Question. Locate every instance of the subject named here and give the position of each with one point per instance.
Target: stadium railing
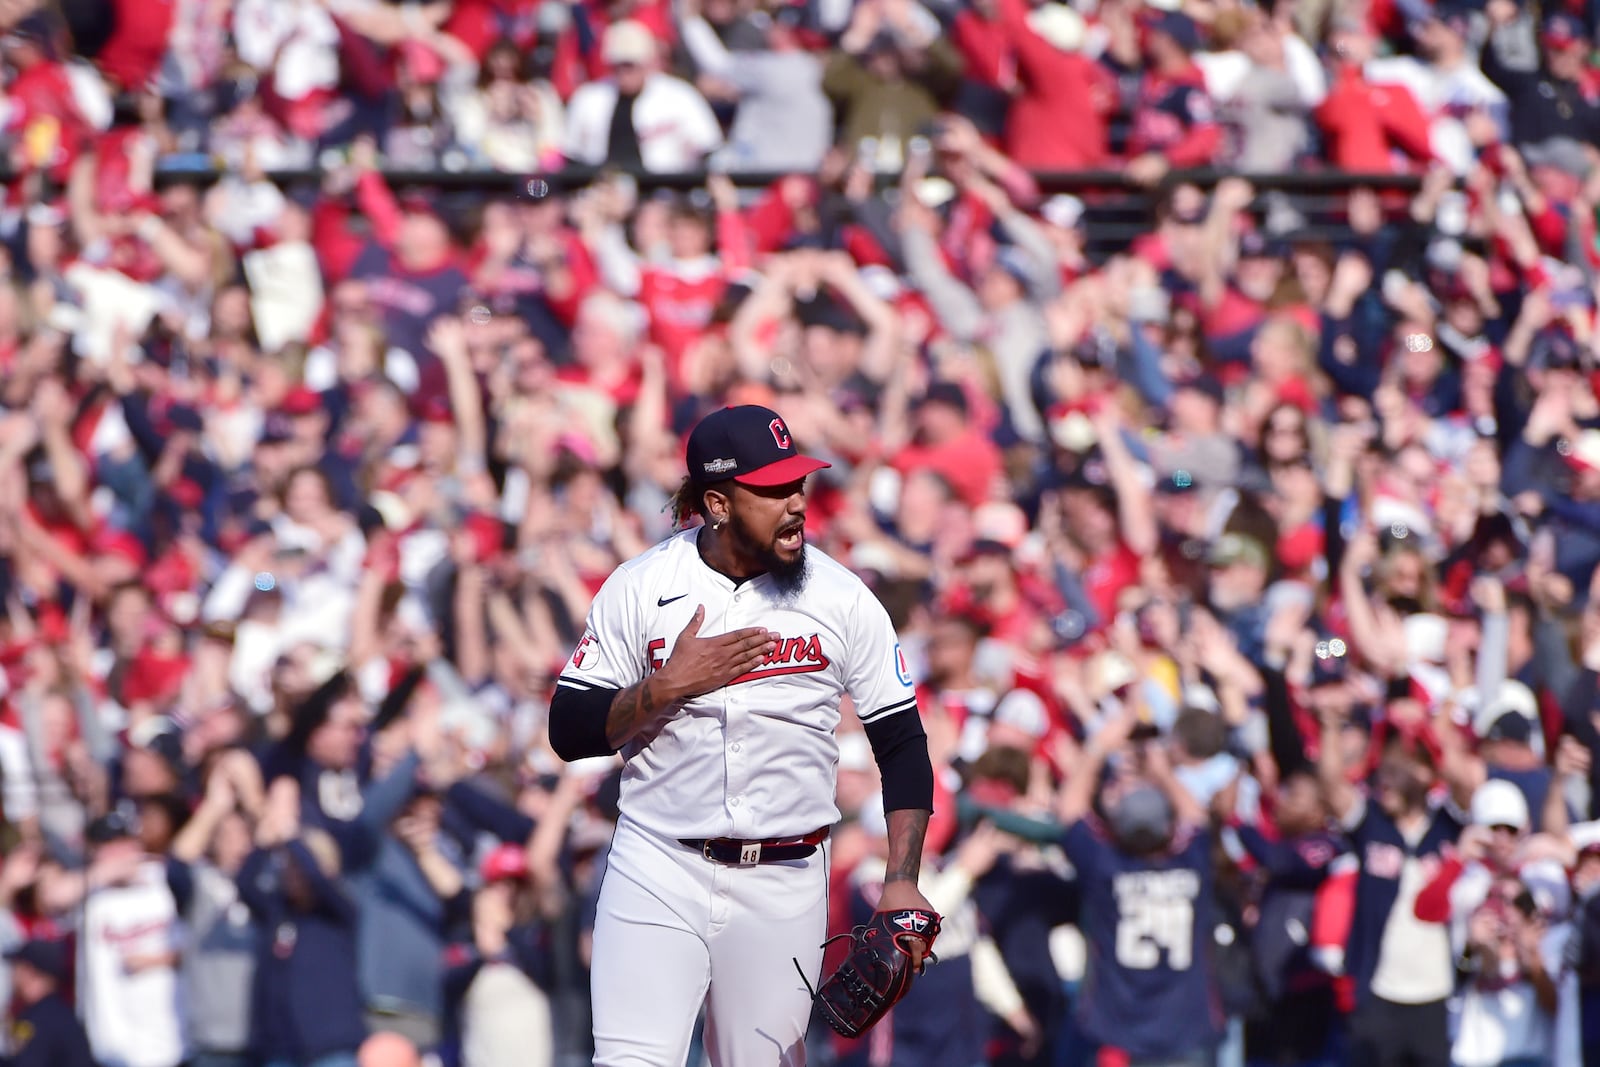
(1117, 209)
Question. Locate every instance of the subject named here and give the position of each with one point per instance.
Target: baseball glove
(878, 971)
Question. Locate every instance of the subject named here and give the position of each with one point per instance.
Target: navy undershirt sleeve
(900, 746)
(578, 722)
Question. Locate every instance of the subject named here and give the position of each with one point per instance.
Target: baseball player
(715, 663)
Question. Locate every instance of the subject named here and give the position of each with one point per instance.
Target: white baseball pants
(675, 930)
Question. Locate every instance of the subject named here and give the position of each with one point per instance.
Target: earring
(717, 525)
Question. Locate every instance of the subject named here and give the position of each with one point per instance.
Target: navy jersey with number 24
(1150, 985)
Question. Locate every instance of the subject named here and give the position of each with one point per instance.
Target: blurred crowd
(1246, 571)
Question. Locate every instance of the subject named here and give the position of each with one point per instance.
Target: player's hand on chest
(745, 643)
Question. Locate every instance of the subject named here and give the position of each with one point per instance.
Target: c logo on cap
(779, 433)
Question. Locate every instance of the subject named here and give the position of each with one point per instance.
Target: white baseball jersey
(133, 1020)
(757, 758)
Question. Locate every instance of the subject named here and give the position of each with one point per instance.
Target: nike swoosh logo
(663, 601)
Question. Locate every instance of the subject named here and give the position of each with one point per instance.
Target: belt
(738, 853)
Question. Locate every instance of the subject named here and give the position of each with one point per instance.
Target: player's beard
(788, 575)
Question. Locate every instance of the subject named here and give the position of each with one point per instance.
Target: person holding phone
(1509, 1001)
(1500, 927)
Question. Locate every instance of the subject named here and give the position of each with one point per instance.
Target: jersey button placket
(738, 777)
(733, 721)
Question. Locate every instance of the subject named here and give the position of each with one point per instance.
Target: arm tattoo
(907, 828)
(632, 709)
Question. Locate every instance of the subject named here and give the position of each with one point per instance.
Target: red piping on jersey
(798, 668)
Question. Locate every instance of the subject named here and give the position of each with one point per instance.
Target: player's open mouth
(791, 540)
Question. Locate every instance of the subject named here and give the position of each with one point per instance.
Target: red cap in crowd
(111, 541)
(505, 863)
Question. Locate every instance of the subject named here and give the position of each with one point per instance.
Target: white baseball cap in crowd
(628, 41)
(1586, 836)
(1546, 882)
(1112, 671)
(1498, 802)
(1000, 521)
(1513, 697)
(1062, 210)
(1021, 709)
(881, 281)
(1202, 696)
(1059, 25)
(1585, 454)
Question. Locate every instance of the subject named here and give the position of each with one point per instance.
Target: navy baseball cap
(1204, 384)
(1512, 726)
(1257, 245)
(275, 430)
(185, 418)
(1180, 27)
(114, 825)
(748, 444)
(1561, 31)
(1330, 666)
(1455, 17)
(950, 394)
(34, 29)
(1554, 348)
(46, 957)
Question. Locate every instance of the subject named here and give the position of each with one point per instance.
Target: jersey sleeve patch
(587, 655)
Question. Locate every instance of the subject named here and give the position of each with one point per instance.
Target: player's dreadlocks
(688, 504)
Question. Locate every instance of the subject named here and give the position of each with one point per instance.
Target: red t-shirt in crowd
(1366, 124)
(44, 121)
(1057, 119)
(138, 42)
(985, 52)
(970, 463)
(478, 24)
(1107, 575)
(1234, 313)
(680, 298)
